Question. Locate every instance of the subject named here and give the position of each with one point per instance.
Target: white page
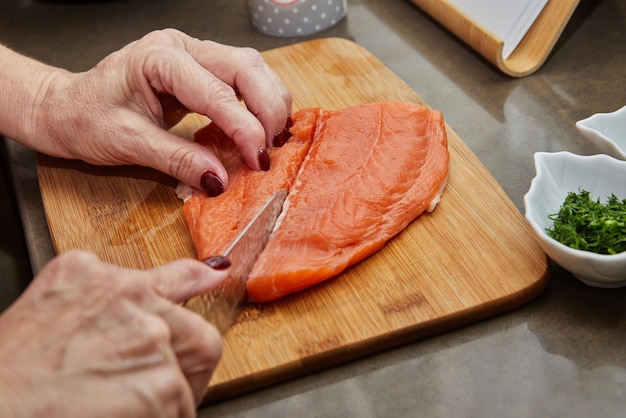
(509, 20)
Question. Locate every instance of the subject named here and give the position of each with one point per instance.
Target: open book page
(509, 20)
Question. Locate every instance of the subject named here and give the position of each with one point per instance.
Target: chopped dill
(586, 224)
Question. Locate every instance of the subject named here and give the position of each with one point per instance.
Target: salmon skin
(356, 178)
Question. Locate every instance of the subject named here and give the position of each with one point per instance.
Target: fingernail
(264, 159)
(283, 136)
(279, 139)
(217, 262)
(211, 184)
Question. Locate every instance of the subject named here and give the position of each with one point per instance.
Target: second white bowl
(606, 131)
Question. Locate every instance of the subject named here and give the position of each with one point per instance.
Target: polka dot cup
(295, 17)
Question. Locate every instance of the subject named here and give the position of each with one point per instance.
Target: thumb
(185, 160)
(184, 279)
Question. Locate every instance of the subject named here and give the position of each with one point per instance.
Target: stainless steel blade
(223, 304)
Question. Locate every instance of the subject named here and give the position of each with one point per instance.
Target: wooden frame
(530, 54)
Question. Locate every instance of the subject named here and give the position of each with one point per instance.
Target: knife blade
(222, 305)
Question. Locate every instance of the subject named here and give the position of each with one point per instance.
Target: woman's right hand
(91, 339)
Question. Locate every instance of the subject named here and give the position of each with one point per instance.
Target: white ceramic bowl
(558, 174)
(607, 131)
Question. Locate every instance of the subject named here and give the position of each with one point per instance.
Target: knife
(222, 305)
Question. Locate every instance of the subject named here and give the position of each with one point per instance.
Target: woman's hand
(90, 339)
(118, 112)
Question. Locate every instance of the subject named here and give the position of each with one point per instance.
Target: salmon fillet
(215, 222)
(359, 176)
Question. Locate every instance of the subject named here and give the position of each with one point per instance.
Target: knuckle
(153, 331)
(222, 93)
(161, 37)
(251, 56)
(172, 32)
(172, 383)
(130, 287)
(207, 340)
(77, 257)
(211, 346)
(66, 265)
(183, 161)
(168, 392)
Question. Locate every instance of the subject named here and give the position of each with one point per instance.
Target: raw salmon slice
(356, 178)
(215, 222)
(370, 171)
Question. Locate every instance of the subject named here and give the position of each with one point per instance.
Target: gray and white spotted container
(295, 17)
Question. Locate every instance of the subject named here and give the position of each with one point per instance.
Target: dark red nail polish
(211, 184)
(279, 139)
(264, 159)
(287, 134)
(217, 262)
(283, 136)
(288, 126)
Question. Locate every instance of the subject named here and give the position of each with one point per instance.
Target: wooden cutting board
(473, 257)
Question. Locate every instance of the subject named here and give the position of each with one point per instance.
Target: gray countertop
(561, 355)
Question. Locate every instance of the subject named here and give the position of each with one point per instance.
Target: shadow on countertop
(15, 271)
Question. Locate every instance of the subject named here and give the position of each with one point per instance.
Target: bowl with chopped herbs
(576, 206)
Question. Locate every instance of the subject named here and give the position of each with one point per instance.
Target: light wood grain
(473, 257)
(530, 54)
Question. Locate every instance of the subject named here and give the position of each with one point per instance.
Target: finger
(217, 100)
(187, 161)
(263, 91)
(130, 328)
(200, 91)
(185, 278)
(196, 343)
(164, 389)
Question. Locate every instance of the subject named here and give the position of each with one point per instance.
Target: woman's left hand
(119, 111)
